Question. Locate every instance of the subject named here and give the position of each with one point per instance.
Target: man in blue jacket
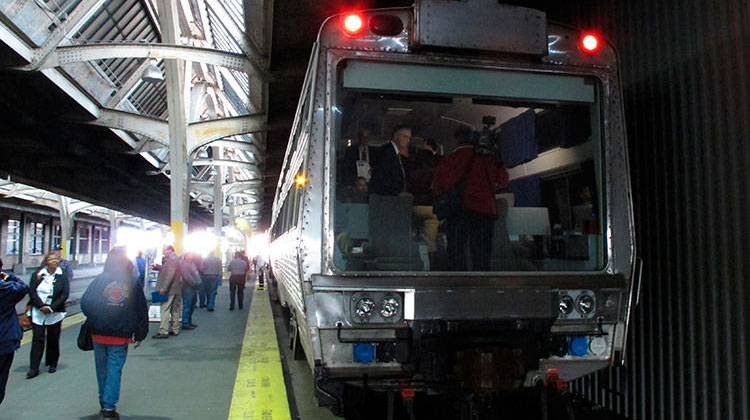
(12, 290)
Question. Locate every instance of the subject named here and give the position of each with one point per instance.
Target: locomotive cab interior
(549, 216)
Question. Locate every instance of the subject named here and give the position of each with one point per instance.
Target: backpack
(109, 305)
(189, 274)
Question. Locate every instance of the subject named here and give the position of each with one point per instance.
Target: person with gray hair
(169, 283)
(388, 174)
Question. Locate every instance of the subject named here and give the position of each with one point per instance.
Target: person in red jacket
(478, 176)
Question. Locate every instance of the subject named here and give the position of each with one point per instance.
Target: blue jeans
(188, 304)
(109, 362)
(210, 285)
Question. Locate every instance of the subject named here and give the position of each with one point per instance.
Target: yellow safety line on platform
(259, 390)
(67, 322)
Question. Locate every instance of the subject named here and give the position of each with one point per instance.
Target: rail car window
(456, 169)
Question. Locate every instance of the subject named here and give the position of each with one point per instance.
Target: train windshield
(464, 169)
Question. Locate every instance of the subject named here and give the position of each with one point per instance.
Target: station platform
(233, 366)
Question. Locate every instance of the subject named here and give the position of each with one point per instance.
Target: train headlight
(566, 305)
(364, 307)
(585, 304)
(390, 307)
(598, 346)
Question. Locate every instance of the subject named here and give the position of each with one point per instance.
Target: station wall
(36, 231)
(687, 103)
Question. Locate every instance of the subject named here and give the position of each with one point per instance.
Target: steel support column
(218, 201)
(112, 229)
(178, 159)
(66, 225)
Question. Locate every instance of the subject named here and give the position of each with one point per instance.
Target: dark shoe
(160, 335)
(32, 373)
(210, 310)
(173, 333)
(231, 308)
(240, 307)
(52, 369)
(109, 414)
(203, 306)
(189, 327)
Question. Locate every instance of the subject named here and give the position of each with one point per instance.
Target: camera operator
(475, 170)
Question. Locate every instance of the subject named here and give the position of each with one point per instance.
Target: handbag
(25, 319)
(451, 203)
(85, 342)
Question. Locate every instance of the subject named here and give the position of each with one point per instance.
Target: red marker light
(352, 24)
(590, 43)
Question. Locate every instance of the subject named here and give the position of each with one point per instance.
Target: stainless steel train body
(561, 309)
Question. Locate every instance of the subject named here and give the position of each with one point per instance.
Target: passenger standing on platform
(140, 264)
(117, 315)
(170, 283)
(191, 277)
(64, 265)
(48, 290)
(238, 269)
(211, 276)
(202, 291)
(12, 290)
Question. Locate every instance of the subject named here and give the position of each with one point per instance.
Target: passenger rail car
(374, 301)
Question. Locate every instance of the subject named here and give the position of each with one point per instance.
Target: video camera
(487, 139)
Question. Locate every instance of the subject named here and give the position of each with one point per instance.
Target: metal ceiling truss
(243, 70)
(199, 133)
(128, 85)
(69, 206)
(91, 52)
(249, 166)
(72, 23)
(254, 148)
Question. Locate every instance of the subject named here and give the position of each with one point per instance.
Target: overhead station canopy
(108, 56)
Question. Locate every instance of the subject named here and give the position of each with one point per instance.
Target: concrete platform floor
(191, 376)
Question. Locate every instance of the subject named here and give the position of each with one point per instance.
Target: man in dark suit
(358, 159)
(388, 176)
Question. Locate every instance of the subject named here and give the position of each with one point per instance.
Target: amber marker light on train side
(353, 24)
(590, 43)
(300, 181)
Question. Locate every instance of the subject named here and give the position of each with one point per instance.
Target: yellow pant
(430, 223)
